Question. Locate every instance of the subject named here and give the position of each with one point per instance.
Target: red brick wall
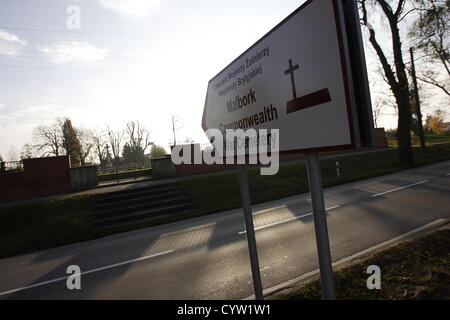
(40, 177)
(380, 138)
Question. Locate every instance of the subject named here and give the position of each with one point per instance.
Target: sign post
(320, 226)
(306, 79)
(251, 239)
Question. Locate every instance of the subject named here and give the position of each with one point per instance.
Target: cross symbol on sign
(310, 100)
(291, 71)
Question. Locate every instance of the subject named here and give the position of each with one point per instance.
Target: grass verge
(417, 269)
(430, 139)
(44, 224)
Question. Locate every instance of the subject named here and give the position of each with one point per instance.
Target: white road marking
(397, 189)
(87, 272)
(287, 220)
(310, 274)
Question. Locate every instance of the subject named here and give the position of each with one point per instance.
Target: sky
(123, 60)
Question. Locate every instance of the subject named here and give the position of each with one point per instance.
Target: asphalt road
(207, 257)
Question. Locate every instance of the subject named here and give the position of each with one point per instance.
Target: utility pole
(173, 129)
(417, 101)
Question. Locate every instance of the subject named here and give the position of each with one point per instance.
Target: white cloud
(10, 44)
(135, 8)
(73, 51)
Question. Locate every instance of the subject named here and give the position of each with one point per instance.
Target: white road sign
(294, 79)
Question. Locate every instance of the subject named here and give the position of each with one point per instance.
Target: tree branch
(434, 83)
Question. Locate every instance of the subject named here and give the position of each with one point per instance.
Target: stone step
(142, 198)
(141, 215)
(120, 209)
(119, 196)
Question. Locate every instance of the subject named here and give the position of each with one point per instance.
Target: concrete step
(122, 208)
(140, 199)
(134, 205)
(121, 196)
(133, 192)
(143, 214)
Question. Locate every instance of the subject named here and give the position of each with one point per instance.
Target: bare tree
(431, 36)
(27, 151)
(139, 137)
(86, 144)
(12, 154)
(398, 79)
(48, 140)
(100, 146)
(377, 108)
(175, 127)
(115, 141)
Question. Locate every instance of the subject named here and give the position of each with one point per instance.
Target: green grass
(418, 269)
(218, 192)
(430, 139)
(45, 224)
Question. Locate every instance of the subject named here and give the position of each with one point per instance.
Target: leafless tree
(86, 144)
(100, 146)
(431, 34)
(27, 151)
(176, 125)
(395, 71)
(139, 137)
(48, 140)
(12, 154)
(115, 141)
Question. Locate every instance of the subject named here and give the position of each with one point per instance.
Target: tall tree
(86, 145)
(132, 153)
(431, 34)
(115, 141)
(138, 138)
(70, 142)
(12, 154)
(48, 140)
(27, 151)
(435, 122)
(157, 151)
(176, 125)
(100, 146)
(415, 103)
(398, 79)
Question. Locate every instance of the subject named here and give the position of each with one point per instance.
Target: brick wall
(40, 177)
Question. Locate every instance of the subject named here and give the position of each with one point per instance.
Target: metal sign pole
(251, 239)
(320, 226)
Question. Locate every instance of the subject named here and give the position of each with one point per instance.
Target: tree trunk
(400, 89)
(417, 101)
(406, 155)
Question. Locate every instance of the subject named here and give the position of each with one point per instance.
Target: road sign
(297, 79)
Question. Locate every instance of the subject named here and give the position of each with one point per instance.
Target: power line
(118, 58)
(93, 33)
(57, 68)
